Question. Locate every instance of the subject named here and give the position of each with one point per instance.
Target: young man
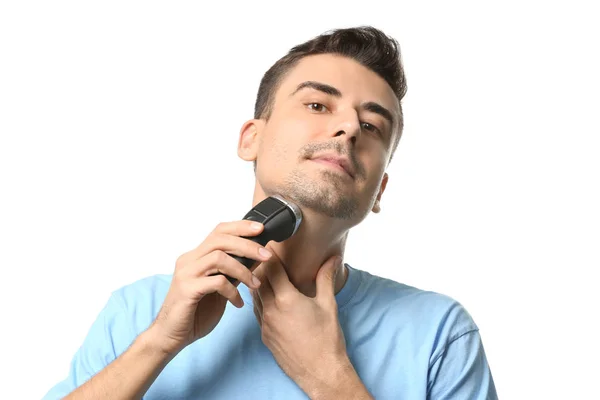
(328, 118)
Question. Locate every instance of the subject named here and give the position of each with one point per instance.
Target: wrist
(153, 345)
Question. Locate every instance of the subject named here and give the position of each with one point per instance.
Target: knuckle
(181, 261)
(207, 244)
(219, 257)
(225, 227)
(222, 282)
(267, 315)
(284, 301)
(180, 277)
(177, 278)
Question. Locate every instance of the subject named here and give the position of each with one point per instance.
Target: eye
(370, 128)
(317, 107)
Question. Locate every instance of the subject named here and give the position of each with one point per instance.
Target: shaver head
(281, 219)
(294, 209)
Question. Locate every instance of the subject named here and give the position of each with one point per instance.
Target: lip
(335, 161)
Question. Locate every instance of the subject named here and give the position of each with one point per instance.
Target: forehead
(355, 81)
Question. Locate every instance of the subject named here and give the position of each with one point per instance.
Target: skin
(300, 281)
(331, 203)
(294, 297)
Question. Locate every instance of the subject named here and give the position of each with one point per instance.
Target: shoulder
(430, 314)
(140, 301)
(144, 288)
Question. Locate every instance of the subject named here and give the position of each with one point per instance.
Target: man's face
(328, 110)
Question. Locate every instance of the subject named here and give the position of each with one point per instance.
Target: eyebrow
(321, 87)
(370, 106)
(379, 109)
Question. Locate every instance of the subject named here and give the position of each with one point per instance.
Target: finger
(277, 276)
(259, 271)
(243, 228)
(256, 301)
(326, 278)
(220, 262)
(218, 284)
(234, 245)
(240, 228)
(258, 317)
(265, 292)
(257, 305)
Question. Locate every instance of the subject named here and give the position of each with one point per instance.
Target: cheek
(304, 126)
(276, 151)
(375, 175)
(300, 126)
(286, 138)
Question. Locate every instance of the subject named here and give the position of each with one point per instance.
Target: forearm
(127, 377)
(340, 381)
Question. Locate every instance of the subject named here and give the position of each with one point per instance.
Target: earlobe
(248, 141)
(377, 206)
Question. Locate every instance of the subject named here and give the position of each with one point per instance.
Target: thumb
(326, 278)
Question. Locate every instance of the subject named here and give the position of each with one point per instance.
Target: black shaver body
(281, 220)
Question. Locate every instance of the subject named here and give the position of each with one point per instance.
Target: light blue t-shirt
(405, 343)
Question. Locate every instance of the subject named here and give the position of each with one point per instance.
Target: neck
(318, 238)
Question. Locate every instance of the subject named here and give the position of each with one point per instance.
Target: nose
(346, 125)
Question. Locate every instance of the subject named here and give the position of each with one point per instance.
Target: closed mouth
(333, 161)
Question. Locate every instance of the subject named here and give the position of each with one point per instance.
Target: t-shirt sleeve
(109, 336)
(460, 369)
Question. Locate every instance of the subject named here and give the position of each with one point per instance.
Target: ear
(377, 206)
(248, 142)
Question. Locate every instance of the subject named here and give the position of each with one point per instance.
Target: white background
(119, 124)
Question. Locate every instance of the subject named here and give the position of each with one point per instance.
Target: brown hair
(367, 45)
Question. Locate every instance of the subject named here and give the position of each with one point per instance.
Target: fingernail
(255, 226)
(264, 252)
(255, 281)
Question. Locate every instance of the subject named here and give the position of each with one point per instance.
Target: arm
(304, 334)
(341, 382)
(120, 357)
(461, 370)
(130, 375)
